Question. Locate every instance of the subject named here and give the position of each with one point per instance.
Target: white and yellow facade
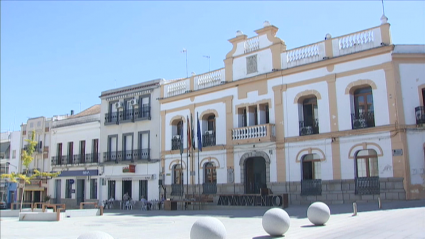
(332, 121)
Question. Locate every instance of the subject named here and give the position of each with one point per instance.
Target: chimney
(72, 112)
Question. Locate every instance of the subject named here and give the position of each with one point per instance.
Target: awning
(131, 176)
(32, 188)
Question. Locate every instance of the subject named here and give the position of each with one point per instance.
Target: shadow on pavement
(297, 211)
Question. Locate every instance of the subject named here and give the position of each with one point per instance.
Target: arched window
(210, 179)
(177, 174)
(363, 115)
(210, 174)
(311, 182)
(209, 136)
(310, 117)
(367, 172)
(367, 164)
(177, 131)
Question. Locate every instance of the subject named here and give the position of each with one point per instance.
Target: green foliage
(27, 158)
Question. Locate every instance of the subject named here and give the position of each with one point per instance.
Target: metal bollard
(354, 209)
(379, 203)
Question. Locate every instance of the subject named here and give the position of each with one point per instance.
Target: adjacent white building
(130, 142)
(75, 153)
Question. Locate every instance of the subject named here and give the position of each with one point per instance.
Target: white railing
(303, 55)
(256, 131)
(209, 79)
(74, 121)
(180, 87)
(358, 41)
(251, 44)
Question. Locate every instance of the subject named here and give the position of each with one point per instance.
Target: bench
(54, 206)
(18, 203)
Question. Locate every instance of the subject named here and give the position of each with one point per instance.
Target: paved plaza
(395, 220)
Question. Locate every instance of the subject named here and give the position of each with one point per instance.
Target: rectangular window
(93, 188)
(111, 189)
(68, 188)
(14, 153)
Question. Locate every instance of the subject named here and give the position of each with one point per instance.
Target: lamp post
(185, 51)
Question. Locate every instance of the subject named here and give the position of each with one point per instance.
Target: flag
(189, 138)
(181, 137)
(191, 133)
(199, 134)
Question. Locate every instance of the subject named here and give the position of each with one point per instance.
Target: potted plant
(47, 199)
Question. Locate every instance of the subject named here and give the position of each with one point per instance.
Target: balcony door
(311, 183)
(255, 175)
(143, 146)
(82, 151)
(367, 172)
(70, 152)
(128, 147)
(95, 150)
(363, 108)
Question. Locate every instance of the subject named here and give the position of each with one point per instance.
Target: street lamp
(185, 51)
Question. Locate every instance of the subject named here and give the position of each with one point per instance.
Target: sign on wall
(130, 169)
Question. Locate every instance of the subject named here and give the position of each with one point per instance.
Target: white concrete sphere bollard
(276, 222)
(208, 228)
(95, 235)
(318, 213)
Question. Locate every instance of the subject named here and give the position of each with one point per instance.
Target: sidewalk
(405, 219)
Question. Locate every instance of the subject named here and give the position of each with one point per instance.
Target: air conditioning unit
(134, 101)
(209, 132)
(176, 136)
(118, 105)
(418, 115)
(359, 123)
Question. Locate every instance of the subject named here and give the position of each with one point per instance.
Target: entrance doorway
(255, 175)
(80, 190)
(126, 188)
(58, 191)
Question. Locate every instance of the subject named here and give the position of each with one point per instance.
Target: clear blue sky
(58, 55)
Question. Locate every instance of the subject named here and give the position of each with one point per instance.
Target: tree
(26, 159)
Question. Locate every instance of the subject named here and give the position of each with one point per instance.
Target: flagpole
(181, 160)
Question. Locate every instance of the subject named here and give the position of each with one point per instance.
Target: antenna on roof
(383, 9)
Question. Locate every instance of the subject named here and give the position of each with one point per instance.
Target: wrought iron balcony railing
(175, 142)
(367, 185)
(111, 156)
(311, 187)
(420, 115)
(208, 139)
(176, 190)
(111, 117)
(309, 126)
(144, 112)
(209, 188)
(127, 114)
(75, 159)
(142, 154)
(363, 120)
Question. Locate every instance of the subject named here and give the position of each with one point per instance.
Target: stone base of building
(333, 191)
